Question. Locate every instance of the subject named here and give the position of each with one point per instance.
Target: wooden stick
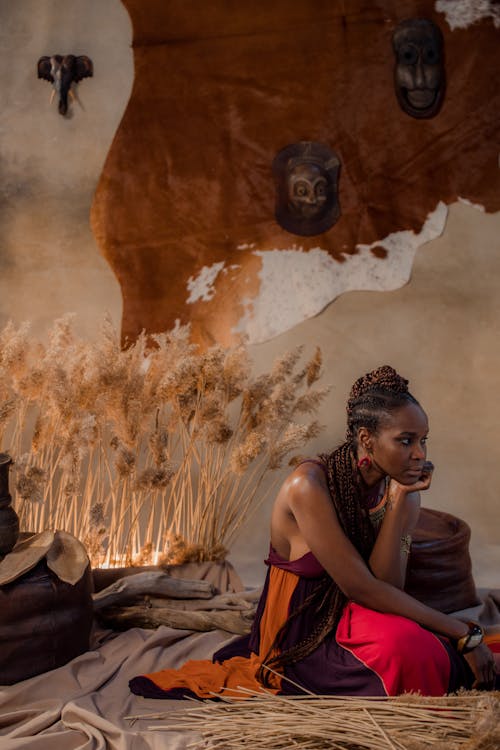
(142, 616)
(129, 588)
(233, 602)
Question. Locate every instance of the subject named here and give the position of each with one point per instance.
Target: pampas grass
(153, 453)
(467, 721)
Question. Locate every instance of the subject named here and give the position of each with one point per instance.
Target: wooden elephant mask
(62, 71)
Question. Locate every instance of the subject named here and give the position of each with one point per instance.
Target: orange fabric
(492, 640)
(282, 584)
(204, 678)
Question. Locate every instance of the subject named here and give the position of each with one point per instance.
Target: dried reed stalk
(154, 453)
(467, 721)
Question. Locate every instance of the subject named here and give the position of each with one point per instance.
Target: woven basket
(439, 568)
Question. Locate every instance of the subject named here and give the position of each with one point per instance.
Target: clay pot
(44, 622)
(9, 521)
(439, 567)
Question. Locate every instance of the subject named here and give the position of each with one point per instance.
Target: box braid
(372, 397)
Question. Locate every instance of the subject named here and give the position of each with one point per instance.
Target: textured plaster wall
(49, 165)
(441, 330)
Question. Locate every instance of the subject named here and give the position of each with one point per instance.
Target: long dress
(369, 654)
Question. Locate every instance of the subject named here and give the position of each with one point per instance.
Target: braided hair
(372, 399)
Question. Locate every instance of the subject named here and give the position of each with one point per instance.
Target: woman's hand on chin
(420, 485)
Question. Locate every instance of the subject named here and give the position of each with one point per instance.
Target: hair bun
(384, 378)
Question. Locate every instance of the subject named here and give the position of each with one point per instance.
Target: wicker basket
(439, 568)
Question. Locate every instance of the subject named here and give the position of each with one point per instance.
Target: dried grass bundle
(467, 721)
(153, 452)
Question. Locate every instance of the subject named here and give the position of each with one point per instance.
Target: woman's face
(399, 446)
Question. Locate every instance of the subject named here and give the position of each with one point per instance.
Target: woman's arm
(389, 557)
(308, 500)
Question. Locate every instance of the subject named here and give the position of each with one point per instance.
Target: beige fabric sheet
(82, 706)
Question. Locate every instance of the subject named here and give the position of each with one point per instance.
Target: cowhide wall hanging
(276, 154)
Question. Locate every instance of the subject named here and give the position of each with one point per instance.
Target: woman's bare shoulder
(310, 468)
(308, 475)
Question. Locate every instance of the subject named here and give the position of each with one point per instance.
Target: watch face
(475, 639)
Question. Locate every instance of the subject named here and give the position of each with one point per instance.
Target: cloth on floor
(83, 705)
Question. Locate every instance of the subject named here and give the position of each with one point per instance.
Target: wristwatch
(470, 640)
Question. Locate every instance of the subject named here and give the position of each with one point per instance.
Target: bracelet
(470, 640)
(406, 544)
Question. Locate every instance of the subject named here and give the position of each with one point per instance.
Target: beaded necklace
(377, 503)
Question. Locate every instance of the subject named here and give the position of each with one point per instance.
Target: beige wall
(440, 330)
(50, 164)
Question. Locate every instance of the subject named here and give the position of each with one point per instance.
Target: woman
(333, 618)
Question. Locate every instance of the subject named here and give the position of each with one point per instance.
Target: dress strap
(306, 566)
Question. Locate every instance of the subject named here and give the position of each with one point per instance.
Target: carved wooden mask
(419, 76)
(306, 176)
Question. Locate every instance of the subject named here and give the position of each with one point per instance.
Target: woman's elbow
(361, 592)
(393, 578)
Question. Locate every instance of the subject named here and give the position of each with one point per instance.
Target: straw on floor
(467, 721)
